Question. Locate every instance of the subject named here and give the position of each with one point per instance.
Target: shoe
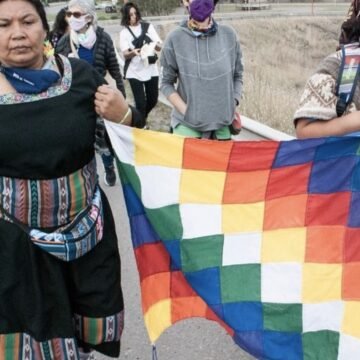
(109, 176)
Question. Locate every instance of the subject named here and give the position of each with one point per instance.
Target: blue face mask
(30, 81)
(200, 10)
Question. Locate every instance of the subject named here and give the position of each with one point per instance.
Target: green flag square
(201, 253)
(240, 283)
(321, 345)
(128, 175)
(283, 317)
(166, 222)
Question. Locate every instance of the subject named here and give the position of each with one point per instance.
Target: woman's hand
(111, 105)
(129, 54)
(136, 52)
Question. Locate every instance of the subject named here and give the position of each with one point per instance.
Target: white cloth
(87, 39)
(138, 68)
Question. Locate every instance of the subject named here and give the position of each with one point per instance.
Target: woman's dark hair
(40, 10)
(350, 31)
(60, 24)
(125, 11)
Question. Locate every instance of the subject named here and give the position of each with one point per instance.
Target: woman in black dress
(60, 293)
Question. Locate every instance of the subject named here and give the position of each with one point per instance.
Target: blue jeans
(108, 160)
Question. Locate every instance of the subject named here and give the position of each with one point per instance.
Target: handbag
(152, 59)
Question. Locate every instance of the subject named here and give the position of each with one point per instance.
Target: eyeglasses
(75, 14)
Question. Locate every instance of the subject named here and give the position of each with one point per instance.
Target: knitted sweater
(318, 101)
(104, 55)
(208, 70)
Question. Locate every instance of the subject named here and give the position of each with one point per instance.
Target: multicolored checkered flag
(261, 236)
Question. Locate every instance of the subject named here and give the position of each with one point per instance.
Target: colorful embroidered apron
(70, 206)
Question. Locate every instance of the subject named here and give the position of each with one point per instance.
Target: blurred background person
(139, 42)
(60, 27)
(91, 43)
(202, 74)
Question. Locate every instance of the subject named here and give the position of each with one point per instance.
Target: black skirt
(49, 307)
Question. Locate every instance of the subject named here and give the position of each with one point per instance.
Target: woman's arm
(338, 126)
(154, 36)
(178, 103)
(112, 63)
(130, 53)
(169, 72)
(111, 105)
(238, 73)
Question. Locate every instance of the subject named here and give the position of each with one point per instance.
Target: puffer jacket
(104, 55)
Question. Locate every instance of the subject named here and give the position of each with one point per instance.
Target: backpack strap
(141, 39)
(347, 78)
(130, 31)
(144, 29)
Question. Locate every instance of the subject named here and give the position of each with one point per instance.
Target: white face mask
(77, 24)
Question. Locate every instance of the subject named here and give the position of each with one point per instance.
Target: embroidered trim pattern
(70, 205)
(60, 89)
(98, 330)
(92, 331)
(48, 203)
(23, 346)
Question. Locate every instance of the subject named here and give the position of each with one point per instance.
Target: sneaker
(109, 176)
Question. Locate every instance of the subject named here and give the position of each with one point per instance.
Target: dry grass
(279, 55)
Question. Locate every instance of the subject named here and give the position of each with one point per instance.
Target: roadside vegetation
(279, 56)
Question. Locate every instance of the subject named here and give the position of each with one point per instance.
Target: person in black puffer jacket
(91, 43)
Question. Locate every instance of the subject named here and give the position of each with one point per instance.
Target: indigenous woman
(60, 294)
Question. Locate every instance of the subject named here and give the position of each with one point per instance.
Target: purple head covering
(201, 9)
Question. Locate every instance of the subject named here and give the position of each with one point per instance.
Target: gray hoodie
(208, 70)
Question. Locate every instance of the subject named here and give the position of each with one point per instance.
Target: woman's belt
(48, 203)
(74, 239)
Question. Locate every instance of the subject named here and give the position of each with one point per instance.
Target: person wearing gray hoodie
(202, 74)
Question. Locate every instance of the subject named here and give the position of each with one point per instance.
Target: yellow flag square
(203, 187)
(351, 320)
(158, 319)
(284, 245)
(155, 148)
(321, 282)
(242, 217)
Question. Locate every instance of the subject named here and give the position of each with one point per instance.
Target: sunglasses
(75, 14)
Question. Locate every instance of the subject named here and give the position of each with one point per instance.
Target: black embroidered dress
(49, 307)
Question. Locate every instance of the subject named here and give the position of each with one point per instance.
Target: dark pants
(145, 94)
(108, 160)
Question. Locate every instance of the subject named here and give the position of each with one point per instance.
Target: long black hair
(125, 11)
(40, 10)
(60, 24)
